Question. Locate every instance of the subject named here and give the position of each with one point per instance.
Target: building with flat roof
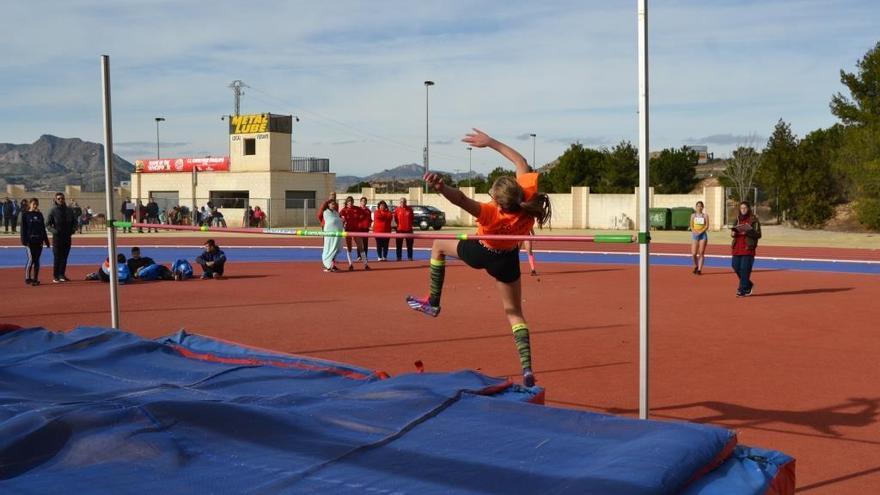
(259, 171)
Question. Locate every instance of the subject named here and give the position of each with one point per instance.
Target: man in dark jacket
(8, 207)
(62, 224)
(152, 213)
(212, 260)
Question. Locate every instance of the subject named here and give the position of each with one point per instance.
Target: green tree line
(809, 176)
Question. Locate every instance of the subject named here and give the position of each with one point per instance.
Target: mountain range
(51, 162)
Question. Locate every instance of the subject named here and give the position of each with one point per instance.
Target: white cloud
(353, 71)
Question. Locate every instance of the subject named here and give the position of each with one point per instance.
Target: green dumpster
(660, 218)
(681, 218)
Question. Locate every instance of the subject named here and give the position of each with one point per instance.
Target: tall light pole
(534, 139)
(158, 119)
(428, 84)
(470, 165)
(137, 213)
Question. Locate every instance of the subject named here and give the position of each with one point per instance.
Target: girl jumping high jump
(515, 206)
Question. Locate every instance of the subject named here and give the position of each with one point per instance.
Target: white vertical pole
(108, 188)
(305, 213)
(644, 227)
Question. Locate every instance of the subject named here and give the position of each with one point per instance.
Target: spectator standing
(259, 217)
(8, 207)
(403, 215)
(33, 237)
(324, 206)
(745, 234)
(248, 219)
(699, 237)
(332, 222)
(364, 224)
(24, 206)
(77, 213)
(152, 214)
(87, 218)
(127, 211)
(212, 260)
(382, 225)
(140, 215)
(62, 224)
(351, 218)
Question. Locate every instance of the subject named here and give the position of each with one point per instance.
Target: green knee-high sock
(523, 347)
(438, 273)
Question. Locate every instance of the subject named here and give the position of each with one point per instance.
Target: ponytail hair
(539, 208)
(508, 194)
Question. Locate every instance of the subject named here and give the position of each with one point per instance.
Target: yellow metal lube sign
(248, 124)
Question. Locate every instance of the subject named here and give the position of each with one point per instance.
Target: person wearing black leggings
(33, 237)
(62, 224)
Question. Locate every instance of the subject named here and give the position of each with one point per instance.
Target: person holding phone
(745, 234)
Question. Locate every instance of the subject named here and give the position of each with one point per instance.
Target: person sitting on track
(515, 206)
(137, 262)
(103, 271)
(212, 260)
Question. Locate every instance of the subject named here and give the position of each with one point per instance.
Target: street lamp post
(470, 165)
(138, 207)
(428, 84)
(534, 138)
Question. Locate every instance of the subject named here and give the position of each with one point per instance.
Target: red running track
(793, 368)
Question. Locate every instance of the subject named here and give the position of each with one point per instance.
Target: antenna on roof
(237, 87)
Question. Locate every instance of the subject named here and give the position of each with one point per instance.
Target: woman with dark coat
(33, 237)
(745, 234)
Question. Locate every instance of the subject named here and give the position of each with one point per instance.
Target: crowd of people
(12, 214)
(212, 260)
(361, 218)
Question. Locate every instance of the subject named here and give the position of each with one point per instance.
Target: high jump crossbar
(599, 238)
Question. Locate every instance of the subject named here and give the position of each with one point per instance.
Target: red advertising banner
(166, 165)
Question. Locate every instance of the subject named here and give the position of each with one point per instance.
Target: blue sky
(353, 72)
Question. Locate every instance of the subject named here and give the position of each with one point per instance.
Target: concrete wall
(272, 152)
(577, 210)
(96, 200)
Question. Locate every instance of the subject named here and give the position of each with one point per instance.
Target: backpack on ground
(182, 269)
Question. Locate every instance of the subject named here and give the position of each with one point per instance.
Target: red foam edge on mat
(717, 461)
(784, 481)
(377, 373)
(203, 356)
(8, 327)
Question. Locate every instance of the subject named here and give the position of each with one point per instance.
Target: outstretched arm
(454, 195)
(479, 139)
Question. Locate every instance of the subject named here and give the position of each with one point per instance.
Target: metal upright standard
(428, 84)
(644, 236)
(108, 186)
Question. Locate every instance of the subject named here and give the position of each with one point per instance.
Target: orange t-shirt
(494, 221)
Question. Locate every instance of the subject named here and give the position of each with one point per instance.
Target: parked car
(428, 217)
(424, 217)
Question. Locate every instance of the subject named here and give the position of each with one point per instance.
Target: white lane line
(547, 251)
